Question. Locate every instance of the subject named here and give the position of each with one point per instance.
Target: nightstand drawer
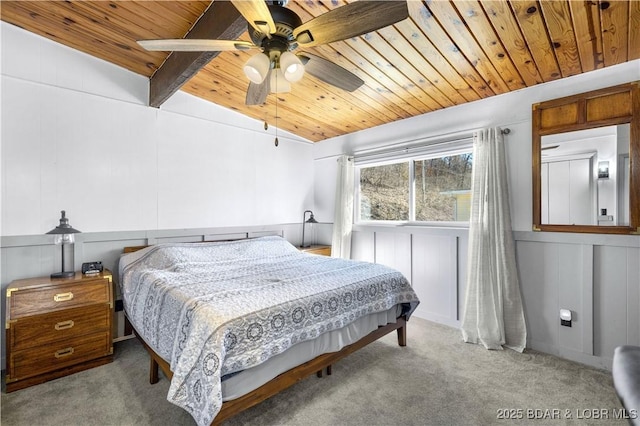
(44, 329)
(61, 296)
(42, 359)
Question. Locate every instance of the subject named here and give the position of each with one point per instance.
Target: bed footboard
(289, 378)
(286, 379)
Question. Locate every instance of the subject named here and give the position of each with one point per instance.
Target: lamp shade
(257, 67)
(64, 227)
(278, 83)
(291, 67)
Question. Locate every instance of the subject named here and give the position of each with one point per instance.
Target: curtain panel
(343, 217)
(493, 314)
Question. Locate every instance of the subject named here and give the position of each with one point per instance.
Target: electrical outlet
(565, 317)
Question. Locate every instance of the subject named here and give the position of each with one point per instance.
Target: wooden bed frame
(284, 380)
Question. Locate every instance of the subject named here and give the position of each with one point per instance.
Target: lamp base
(67, 274)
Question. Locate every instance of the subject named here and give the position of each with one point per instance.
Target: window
(432, 189)
(443, 188)
(384, 192)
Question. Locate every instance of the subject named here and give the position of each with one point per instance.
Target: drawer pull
(63, 352)
(63, 297)
(63, 325)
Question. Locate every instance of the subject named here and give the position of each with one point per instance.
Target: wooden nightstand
(56, 327)
(317, 249)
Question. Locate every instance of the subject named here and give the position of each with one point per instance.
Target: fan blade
(350, 20)
(330, 73)
(257, 14)
(190, 45)
(257, 93)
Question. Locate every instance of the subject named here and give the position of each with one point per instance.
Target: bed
(232, 323)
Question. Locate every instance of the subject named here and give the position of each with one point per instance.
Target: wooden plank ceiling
(447, 53)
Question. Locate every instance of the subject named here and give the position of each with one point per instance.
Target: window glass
(443, 188)
(435, 189)
(384, 192)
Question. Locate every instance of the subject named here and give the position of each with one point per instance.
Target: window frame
(411, 160)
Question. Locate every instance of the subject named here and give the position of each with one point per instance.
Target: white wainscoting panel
(597, 277)
(394, 250)
(616, 303)
(432, 259)
(633, 296)
(435, 277)
(539, 292)
(572, 283)
(363, 246)
(463, 248)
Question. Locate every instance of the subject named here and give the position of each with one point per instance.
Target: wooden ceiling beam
(220, 21)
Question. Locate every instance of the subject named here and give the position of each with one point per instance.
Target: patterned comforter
(212, 309)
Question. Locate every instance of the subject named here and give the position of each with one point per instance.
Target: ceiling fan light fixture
(291, 66)
(279, 83)
(257, 68)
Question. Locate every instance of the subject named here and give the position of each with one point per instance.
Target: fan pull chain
(276, 141)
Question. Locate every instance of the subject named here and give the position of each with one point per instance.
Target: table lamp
(63, 235)
(310, 221)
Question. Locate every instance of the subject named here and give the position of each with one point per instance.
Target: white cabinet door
(580, 184)
(559, 193)
(567, 192)
(623, 176)
(544, 202)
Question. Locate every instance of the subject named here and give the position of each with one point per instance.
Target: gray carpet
(437, 379)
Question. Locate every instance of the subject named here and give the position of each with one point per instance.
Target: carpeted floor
(436, 380)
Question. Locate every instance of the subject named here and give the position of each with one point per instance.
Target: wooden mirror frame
(605, 107)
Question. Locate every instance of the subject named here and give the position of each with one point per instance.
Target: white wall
(597, 277)
(77, 135)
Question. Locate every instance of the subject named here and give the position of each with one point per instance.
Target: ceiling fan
(277, 31)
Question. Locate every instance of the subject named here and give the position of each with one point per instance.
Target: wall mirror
(586, 162)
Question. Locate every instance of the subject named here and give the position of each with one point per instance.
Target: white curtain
(493, 315)
(343, 218)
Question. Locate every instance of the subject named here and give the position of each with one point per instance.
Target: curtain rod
(406, 147)
(382, 150)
